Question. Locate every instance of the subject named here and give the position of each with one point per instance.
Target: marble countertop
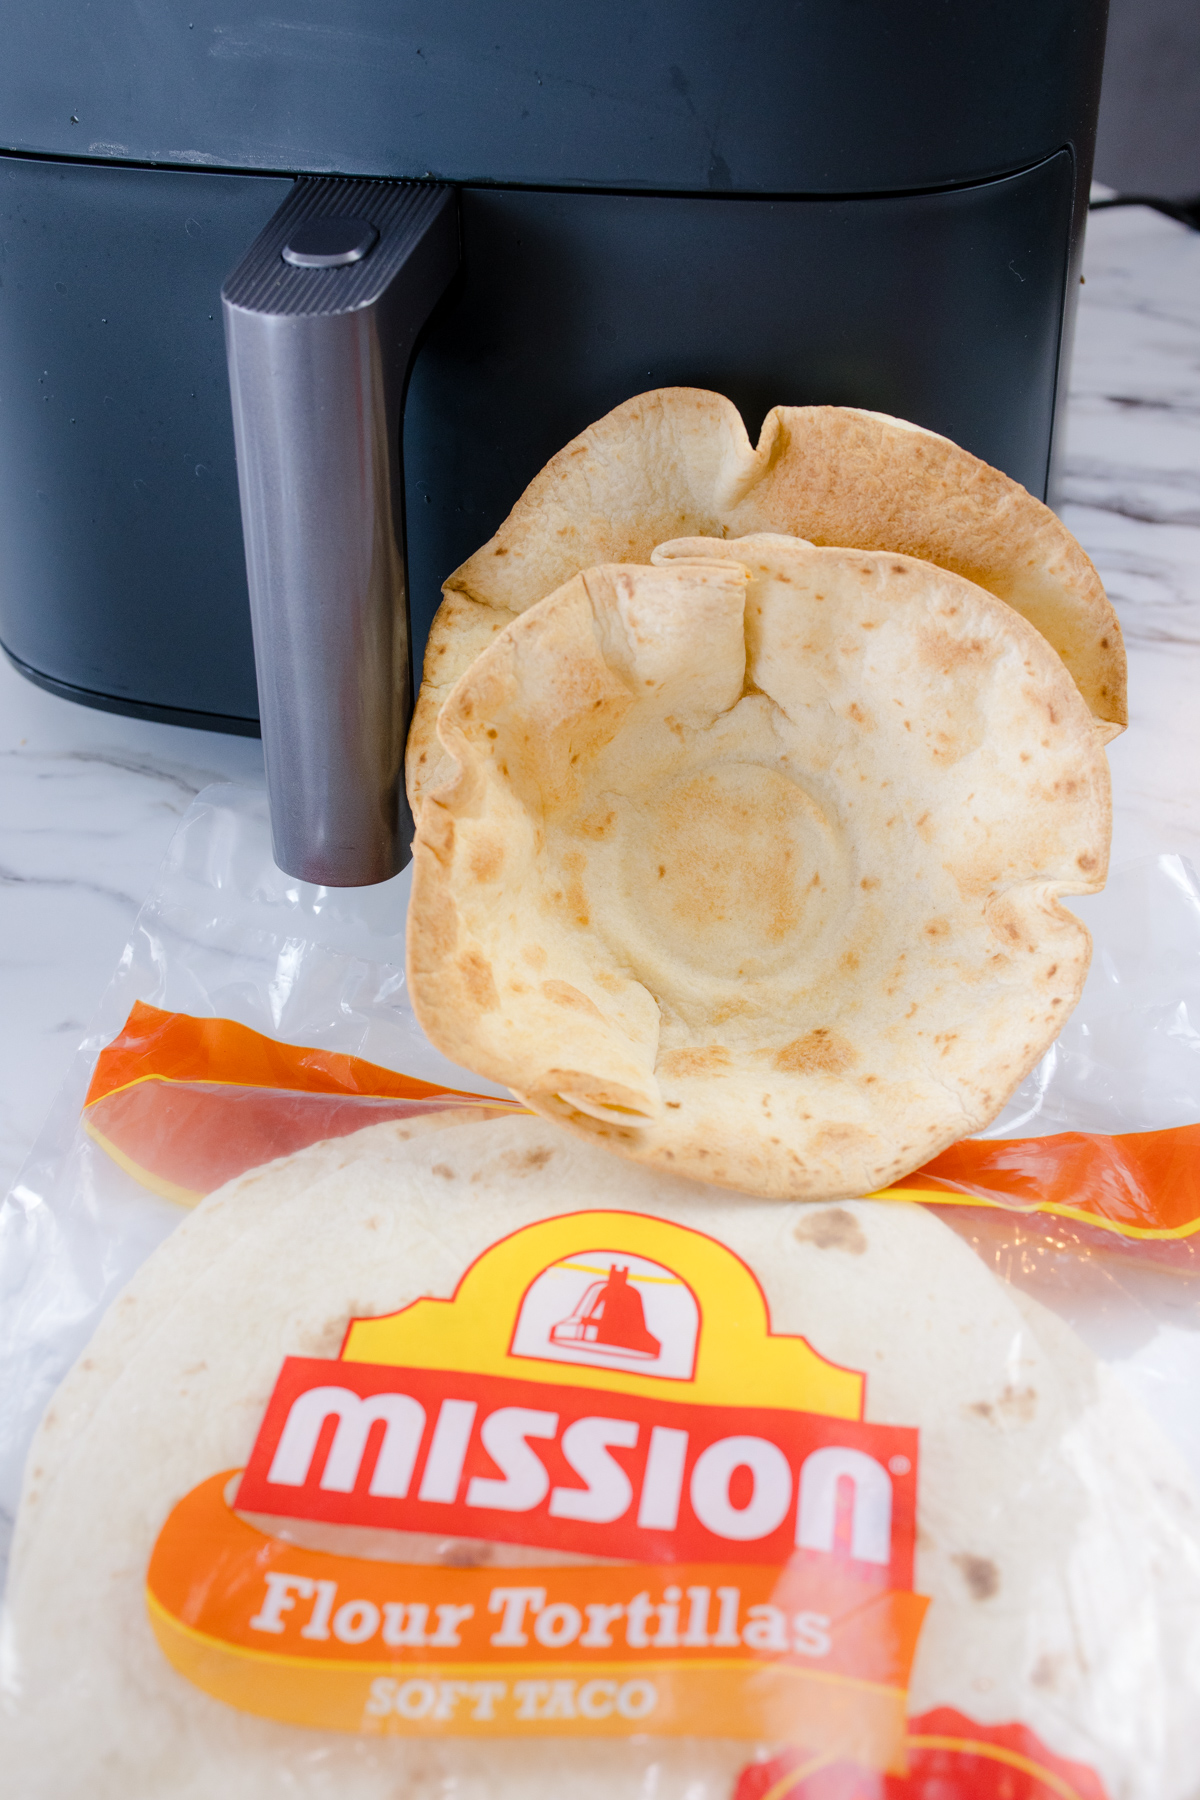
(89, 801)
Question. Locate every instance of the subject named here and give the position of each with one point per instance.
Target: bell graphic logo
(608, 1308)
(609, 1318)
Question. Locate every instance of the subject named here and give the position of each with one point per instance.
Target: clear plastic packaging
(223, 934)
(251, 1016)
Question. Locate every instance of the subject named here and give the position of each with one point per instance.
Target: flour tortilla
(1116, 1454)
(677, 463)
(751, 867)
(1058, 1538)
(145, 1304)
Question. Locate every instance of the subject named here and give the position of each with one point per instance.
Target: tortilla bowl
(751, 864)
(677, 462)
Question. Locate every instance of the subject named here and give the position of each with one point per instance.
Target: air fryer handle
(321, 318)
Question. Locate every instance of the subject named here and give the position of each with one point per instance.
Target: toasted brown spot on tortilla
(523, 1162)
(980, 1574)
(705, 1061)
(486, 859)
(563, 994)
(465, 1553)
(598, 823)
(477, 979)
(833, 1229)
(818, 1052)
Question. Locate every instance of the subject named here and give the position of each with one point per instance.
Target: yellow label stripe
(998, 1753)
(787, 1782)
(940, 1197)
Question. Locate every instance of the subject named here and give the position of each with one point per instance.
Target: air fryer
(449, 237)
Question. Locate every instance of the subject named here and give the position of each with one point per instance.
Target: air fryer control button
(330, 243)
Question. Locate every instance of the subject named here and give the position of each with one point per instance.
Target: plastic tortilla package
(419, 1495)
(372, 1436)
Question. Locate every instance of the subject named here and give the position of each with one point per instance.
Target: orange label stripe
(1142, 1184)
(184, 1104)
(1139, 1185)
(299, 1635)
(165, 1046)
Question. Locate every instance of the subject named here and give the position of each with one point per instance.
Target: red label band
(947, 1757)
(571, 1468)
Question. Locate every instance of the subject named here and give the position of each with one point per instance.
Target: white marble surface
(1132, 497)
(89, 801)
(88, 804)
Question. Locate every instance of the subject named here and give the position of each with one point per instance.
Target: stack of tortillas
(1057, 1537)
(741, 854)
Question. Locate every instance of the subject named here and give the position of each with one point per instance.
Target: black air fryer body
(846, 201)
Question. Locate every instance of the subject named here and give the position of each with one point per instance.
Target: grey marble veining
(1132, 497)
(88, 804)
(89, 801)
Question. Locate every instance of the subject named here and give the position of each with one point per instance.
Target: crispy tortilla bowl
(677, 462)
(749, 862)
